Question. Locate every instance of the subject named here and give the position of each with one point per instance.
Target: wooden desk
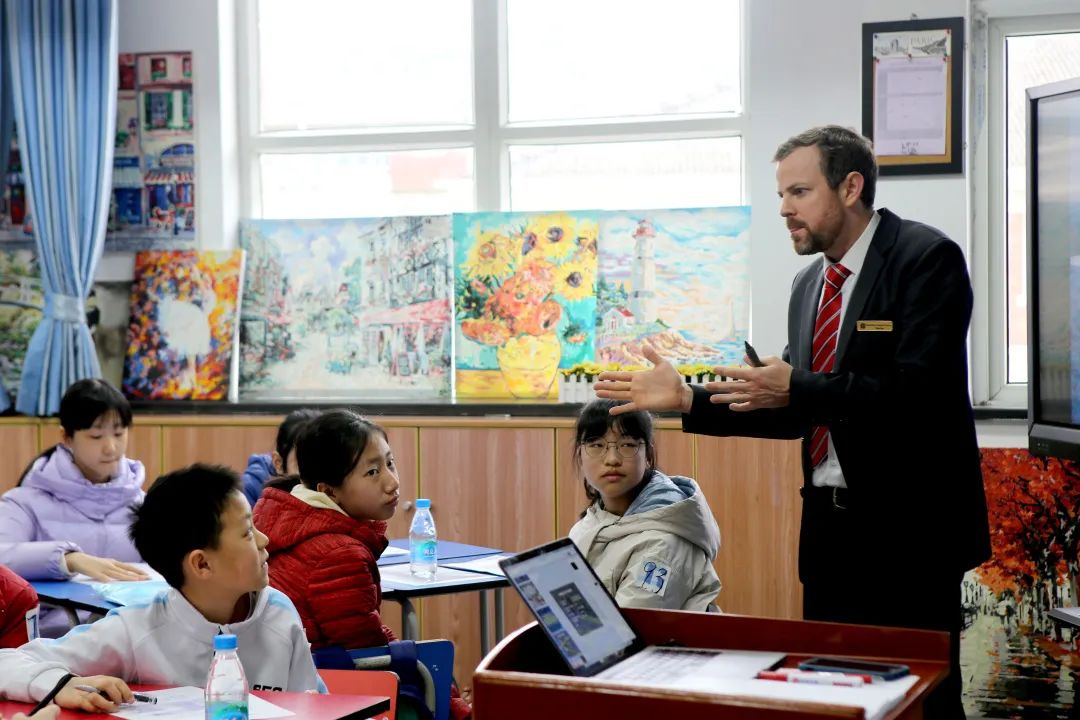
(305, 706)
(524, 678)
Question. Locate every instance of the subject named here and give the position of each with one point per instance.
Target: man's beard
(816, 242)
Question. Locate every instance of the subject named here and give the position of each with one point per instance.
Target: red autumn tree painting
(1018, 662)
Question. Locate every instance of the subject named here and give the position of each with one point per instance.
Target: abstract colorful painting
(153, 200)
(525, 300)
(678, 279)
(356, 309)
(183, 329)
(22, 305)
(1016, 661)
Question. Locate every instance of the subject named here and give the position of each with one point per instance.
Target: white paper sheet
(489, 565)
(391, 551)
(398, 577)
(876, 699)
(186, 703)
(910, 106)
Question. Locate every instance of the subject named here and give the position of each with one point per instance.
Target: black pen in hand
(52, 693)
(139, 697)
(751, 353)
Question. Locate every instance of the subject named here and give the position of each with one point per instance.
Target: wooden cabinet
(223, 444)
(753, 488)
(18, 448)
(488, 486)
(144, 445)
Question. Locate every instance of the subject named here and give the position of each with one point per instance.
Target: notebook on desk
(589, 631)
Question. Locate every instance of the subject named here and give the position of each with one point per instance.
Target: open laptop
(594, 639)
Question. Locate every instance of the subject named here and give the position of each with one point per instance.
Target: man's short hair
(181, 513)
(842, 151)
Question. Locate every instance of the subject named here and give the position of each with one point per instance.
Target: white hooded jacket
(659, 554)
(167, 642)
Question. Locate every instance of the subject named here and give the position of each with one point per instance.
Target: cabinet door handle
(407, 506)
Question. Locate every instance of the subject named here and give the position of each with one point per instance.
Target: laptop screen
(572, 606)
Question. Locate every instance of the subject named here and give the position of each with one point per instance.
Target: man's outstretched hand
(659, 388)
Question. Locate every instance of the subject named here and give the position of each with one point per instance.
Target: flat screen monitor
(1054, 268)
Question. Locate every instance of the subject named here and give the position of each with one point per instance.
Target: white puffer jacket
(660, 553)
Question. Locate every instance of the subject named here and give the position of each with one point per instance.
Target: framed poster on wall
(913, 87)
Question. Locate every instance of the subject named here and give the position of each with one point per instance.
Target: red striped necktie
(823, 355)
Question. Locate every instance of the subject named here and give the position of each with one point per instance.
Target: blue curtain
(64, 73)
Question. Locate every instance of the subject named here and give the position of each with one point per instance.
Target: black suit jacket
(898, 410)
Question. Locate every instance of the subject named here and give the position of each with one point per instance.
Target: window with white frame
(434, 106)
(1022, 53)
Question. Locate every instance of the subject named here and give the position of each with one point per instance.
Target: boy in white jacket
(195, 529)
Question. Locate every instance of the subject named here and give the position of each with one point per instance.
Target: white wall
(804, 69)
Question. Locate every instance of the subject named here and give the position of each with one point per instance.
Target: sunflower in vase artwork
(528, 290)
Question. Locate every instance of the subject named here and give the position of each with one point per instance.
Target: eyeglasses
(625, 448)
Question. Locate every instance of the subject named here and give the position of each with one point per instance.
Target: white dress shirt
(828, 473)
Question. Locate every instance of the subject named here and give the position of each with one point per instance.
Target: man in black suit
(874, 380)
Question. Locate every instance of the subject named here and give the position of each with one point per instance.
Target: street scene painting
(347, 308)
(1016, 660)
(153, 197)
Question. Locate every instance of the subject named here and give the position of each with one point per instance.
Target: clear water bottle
(423, 547)
(226, 686)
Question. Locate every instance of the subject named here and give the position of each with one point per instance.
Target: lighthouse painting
(677, 279)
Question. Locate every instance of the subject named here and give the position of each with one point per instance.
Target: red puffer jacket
(17, 599)
(325, 562)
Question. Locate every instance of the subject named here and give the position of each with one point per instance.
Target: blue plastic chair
(436, 655)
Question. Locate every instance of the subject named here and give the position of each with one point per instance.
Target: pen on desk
(139, 697)
(812, 678)
(800, 671)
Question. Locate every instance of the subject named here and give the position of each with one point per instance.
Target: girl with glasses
(651, 538)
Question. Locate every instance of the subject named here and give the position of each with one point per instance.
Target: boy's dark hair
(331, 444)
(289, 430)
(83, 403)
(842, 151)
(593, 423)
(182, 512)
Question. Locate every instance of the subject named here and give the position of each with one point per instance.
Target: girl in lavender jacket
(71, 511)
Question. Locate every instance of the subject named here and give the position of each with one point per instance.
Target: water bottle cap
(224, 642)
(422, 504)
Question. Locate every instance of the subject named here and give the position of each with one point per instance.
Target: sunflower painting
(525, 301)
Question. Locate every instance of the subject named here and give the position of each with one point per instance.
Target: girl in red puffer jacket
(327, 531)
(18, 610)
(327, 528)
